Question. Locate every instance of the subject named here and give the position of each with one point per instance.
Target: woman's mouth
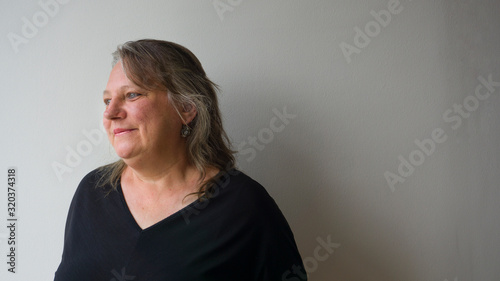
(121, 131)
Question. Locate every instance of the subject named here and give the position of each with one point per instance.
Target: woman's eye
(132, 95)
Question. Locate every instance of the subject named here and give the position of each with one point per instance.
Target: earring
(185, 131)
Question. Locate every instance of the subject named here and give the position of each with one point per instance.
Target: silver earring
(185, 131)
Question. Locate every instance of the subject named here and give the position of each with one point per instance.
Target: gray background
(356, 116)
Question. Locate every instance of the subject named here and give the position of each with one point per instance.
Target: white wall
(354, 115)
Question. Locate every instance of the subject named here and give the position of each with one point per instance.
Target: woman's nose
(114, 110)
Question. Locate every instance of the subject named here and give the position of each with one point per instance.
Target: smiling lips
(121, 131)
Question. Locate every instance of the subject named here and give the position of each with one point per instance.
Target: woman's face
(139, 123)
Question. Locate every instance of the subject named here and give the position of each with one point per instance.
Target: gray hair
(161, 65)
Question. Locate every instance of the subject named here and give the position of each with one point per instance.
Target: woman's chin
(124, 153)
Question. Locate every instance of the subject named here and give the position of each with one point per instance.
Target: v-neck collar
(161, 222)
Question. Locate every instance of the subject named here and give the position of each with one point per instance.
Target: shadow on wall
(326, 206)
(473, 51)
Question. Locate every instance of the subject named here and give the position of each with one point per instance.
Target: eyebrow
(121, 88)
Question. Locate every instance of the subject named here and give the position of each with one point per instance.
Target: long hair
(167, 66)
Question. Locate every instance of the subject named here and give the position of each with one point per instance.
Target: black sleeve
(73, 232)
(93, 234)
(276, 253)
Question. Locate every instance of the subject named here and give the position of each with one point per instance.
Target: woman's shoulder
(247, 204)
(241, 186)
(90, 186)
(93, 176)
(241, 192)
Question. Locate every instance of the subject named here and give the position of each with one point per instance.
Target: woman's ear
(188, 112)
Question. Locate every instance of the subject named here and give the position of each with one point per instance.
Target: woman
(173, 207)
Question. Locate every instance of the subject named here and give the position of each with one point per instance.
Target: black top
(238, 234)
